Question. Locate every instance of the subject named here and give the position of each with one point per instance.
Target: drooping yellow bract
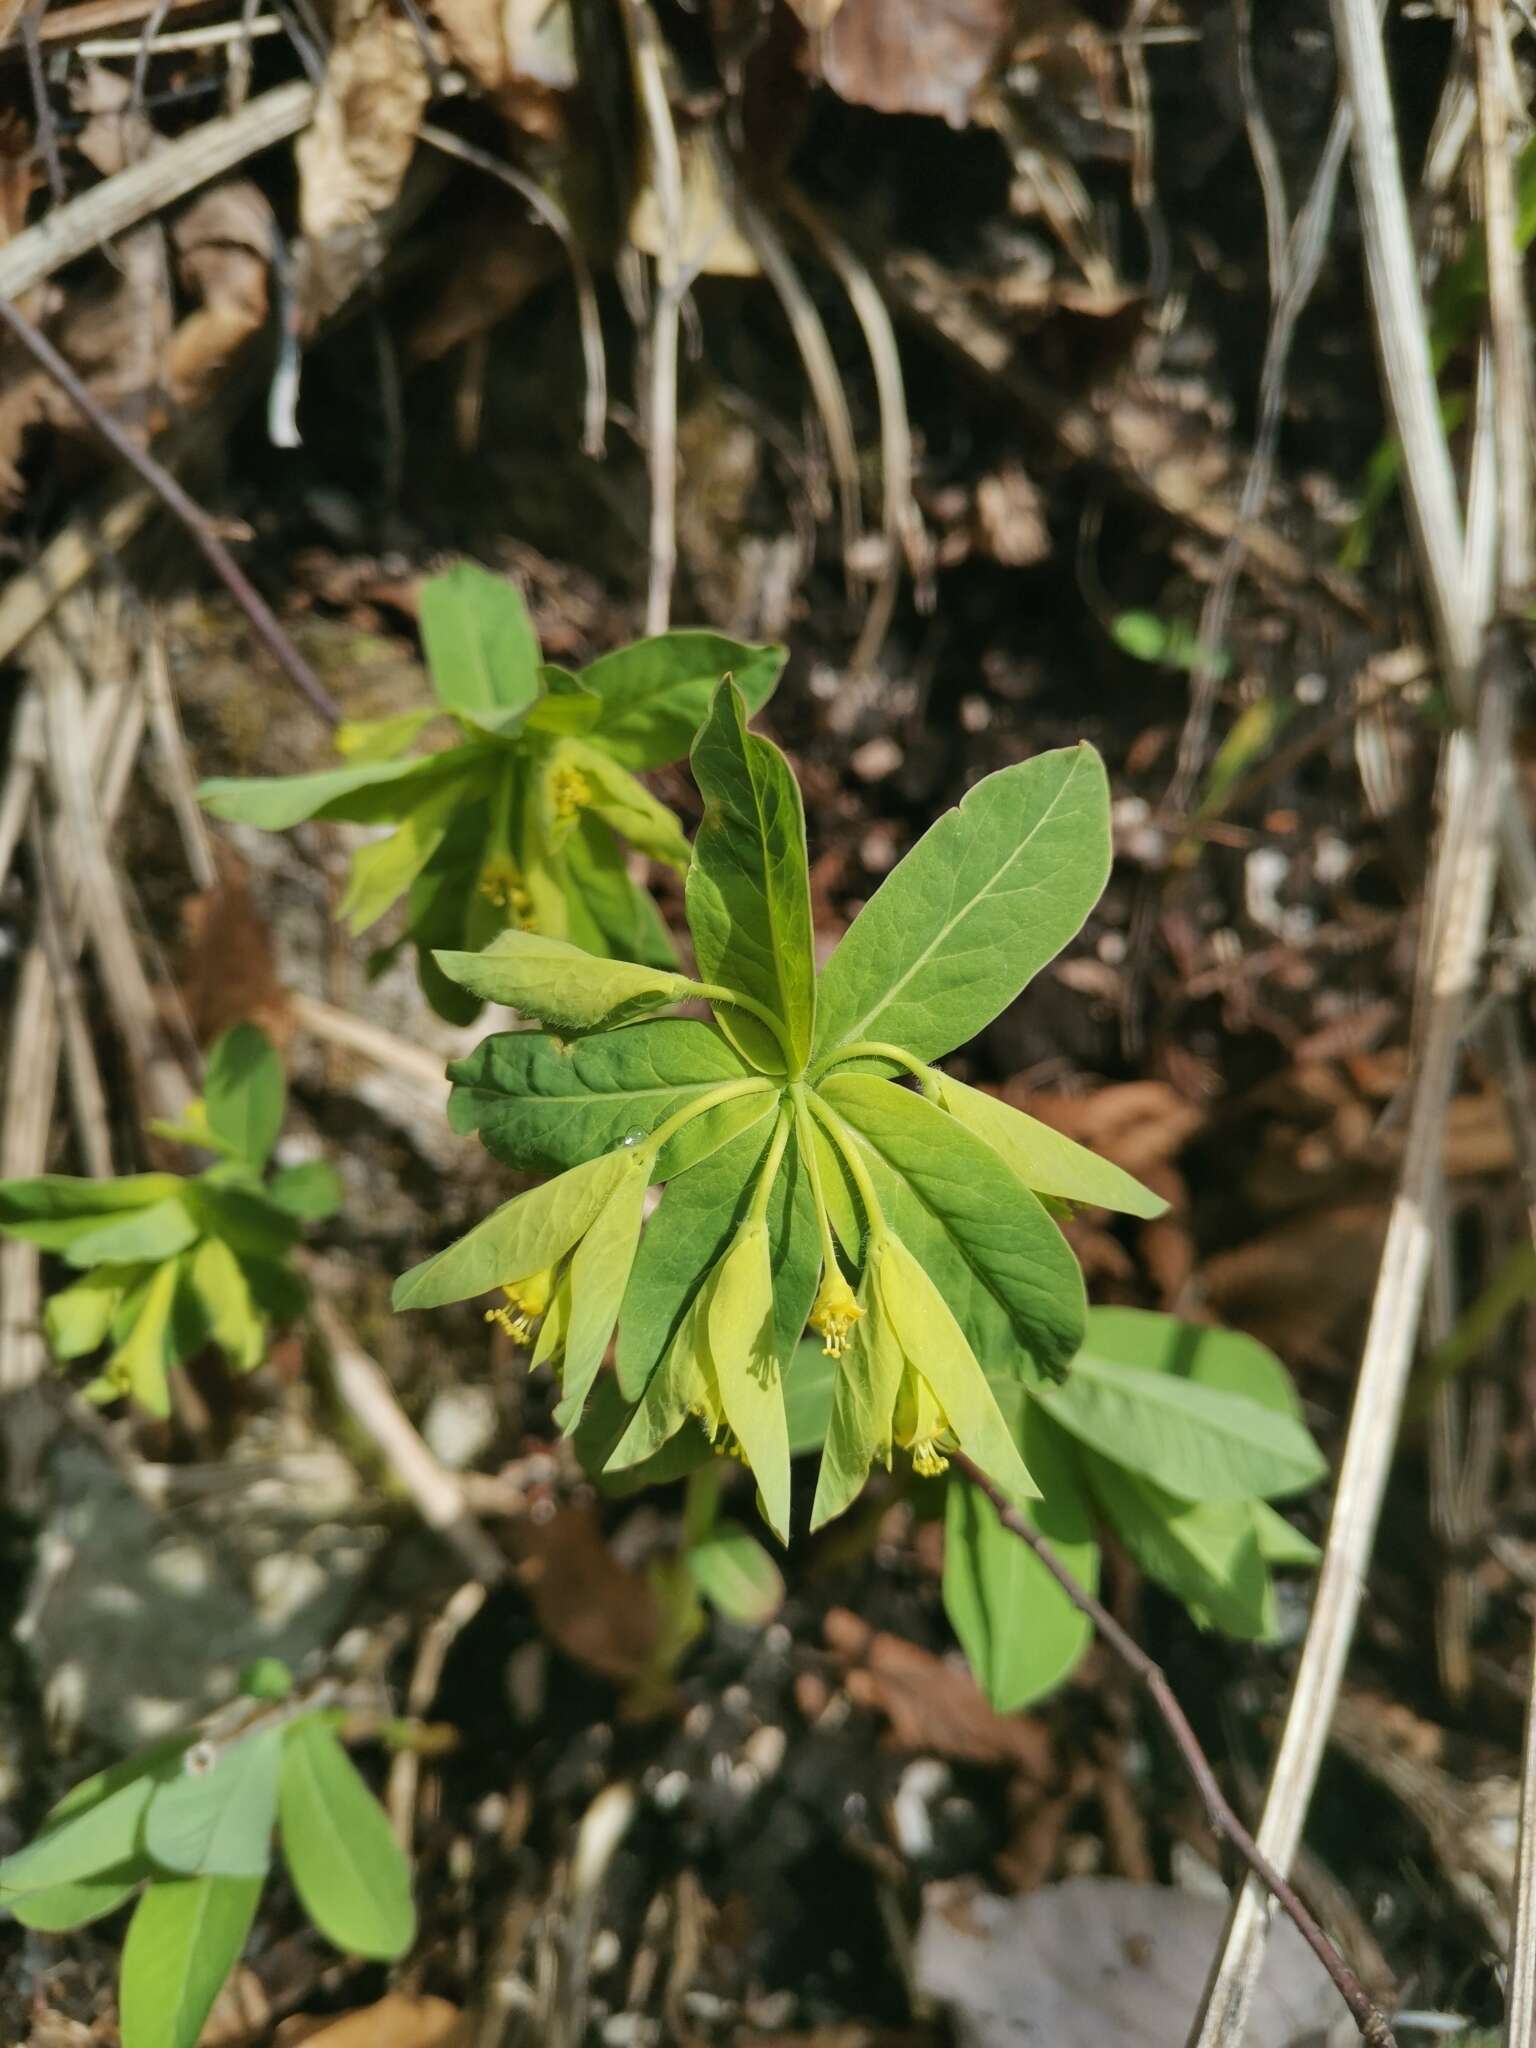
(944, 1399)
(722, 1369)
(745, 1356)
(909, 1377)
(525, 1236)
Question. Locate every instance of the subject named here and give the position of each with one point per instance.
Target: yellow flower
(834, 1311)
(501, 884)
(921, 1425)
(526, 1301)
(569, 790)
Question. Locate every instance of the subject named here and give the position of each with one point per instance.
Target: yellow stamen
(834, 1312)
(570, 791)
(501, 884)
(928, 1460)
(526, 1301)
(921, 1426)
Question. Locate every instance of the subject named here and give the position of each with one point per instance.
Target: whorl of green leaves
(169, 1264)
(517, 825)
(805, 1178)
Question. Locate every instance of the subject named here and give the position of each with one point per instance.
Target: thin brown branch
(1368, 2017)
(185, 508)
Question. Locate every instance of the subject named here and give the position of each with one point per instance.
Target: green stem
(755, 1084)
(807, 1132)
(846, 1144)
(713, 992)
(765, 1180)
(877, 1049)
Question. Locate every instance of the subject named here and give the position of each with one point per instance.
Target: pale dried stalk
(821, 370)
(1475, 771)
(171, 746)
(204, 153)
(88, 1099)
(355, 1034)
(426, 1676)
(672, 284)
(162, 1085)
(365, 1392)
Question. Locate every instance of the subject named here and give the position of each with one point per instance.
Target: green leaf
(1279, 1542)
(698, 1215)
(541, 1106)
(77, 1318)
(521, 1238)
(241, 1212)
(185, 1937)
(809, 1383)
(559, 984)
(869, 1376)
(64, 1906)
(309, 1192)
(218, 1284)
(139, 1365)
(1205, 1552)
(367, 793)
(1019, 1630)
(946, 1190)
(384, 870)
(743, 1346)
(382, 739)
(244, 1093)
(749, 892)
(603, 1425)
(935, 1347)
(736, 1575)
(480, 643)
(624, 805)
(54, 1208)
(989, 894)
(94, 1831)
(623, 920)
(142, 1235)
(567, 708)
(599, 1275)
(345, 1864)
(1198, 1442)
(655, 693)
(218, 1823)
(1043, 1158)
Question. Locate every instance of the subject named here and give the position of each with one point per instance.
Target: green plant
(517, 824)
(818, 1167)
(170, 1263)
(187, 1826)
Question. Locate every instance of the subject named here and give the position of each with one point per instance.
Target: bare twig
(341, 1028)
(87, 1096)
(1368, 2017)
(595, 417)
(672, 283)
(185, 508)
(363, 1388)
(205, 152)
(171, 746)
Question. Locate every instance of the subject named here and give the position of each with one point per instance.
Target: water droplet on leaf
(633, 1137)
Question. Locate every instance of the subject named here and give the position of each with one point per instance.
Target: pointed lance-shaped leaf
(749, 895)
(480, 643)
(559, 984)
(655, 693)
(522, 1237)
(740, 1335)
(988, 895)
(598, 1277)
(1045, 1159)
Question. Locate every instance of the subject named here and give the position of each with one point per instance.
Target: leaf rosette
(520, 823)
(815, 1166)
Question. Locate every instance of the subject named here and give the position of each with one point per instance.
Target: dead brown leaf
(521, 54)
(931, 1705)
(914, 56)
(354, 155)
(228, 974)
(595, 1609)
(223, 244)
(1303, 1287)
(398, 2021)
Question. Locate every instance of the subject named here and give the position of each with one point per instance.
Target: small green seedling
(187, 1826)
(517, 825)
(169, 1264)
(807, 1179)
